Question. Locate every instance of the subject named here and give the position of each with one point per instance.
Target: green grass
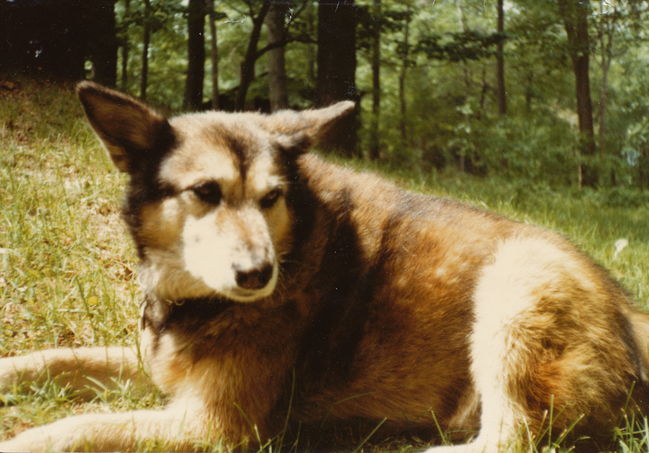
(67, 269)
(66, 266)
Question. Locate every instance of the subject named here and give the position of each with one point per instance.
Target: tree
(146, 38)
(336, 78)
(214, 53)
(125, 48)
(195, 55)
(575, 19)
(404, 54)
(375, 142)
(501, 92)
(311, 51)
(605, 25)
(276, 25)
(251, 56)
(103, 42)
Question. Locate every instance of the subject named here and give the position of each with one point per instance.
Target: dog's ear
(296, 132)
(130, 131)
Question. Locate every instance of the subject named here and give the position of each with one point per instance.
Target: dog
(280, 289)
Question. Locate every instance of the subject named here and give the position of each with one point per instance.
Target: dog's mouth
(245, 295)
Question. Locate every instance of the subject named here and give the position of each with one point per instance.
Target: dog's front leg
(157, 430)
(77, 368)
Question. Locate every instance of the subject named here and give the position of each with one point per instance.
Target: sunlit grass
(67, 269)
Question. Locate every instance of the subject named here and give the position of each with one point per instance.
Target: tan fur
(382, 304)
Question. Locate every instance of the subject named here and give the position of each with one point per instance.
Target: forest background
(553, 91)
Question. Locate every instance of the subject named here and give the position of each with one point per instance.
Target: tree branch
(282, 43)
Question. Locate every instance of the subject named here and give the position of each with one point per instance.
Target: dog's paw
(12, 446)
(44, 438)
(29, 441)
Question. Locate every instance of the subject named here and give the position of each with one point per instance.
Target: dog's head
(207, 203)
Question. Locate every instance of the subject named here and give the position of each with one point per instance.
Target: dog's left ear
(130, 130)
(296, 132)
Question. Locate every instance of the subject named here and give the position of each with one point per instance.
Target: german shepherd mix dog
(281, 290)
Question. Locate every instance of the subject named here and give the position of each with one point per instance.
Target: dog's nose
(256, 278)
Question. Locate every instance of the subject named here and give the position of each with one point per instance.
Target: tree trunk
(146, 37)
(529, 91)
(124, 66)
(275, 23)
(214, 53)
(311, 51)
(605, 32)
(248, 64)
(484, 89)
(125, 50)
(500, 63)
(103, 45)
(575, 16)
(195, 55)
(403, 73)
(336, 78)
(459, 7)
(375, 142)
(643, 168)
(603, 101)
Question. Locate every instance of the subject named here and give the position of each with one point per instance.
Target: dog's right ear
(129, 129)
(296, 132)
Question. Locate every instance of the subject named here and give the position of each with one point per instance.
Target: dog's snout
(256, 278)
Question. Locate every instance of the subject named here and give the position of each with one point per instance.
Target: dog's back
(437, 297)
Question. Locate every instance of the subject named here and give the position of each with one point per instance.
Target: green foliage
(450, 97)
(459, 46)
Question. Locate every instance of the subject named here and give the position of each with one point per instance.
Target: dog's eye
(208, 192)
(269, 200)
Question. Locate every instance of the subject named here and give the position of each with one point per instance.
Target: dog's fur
(281, 289)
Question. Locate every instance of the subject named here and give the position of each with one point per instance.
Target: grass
(66, 267)
(67, 270)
